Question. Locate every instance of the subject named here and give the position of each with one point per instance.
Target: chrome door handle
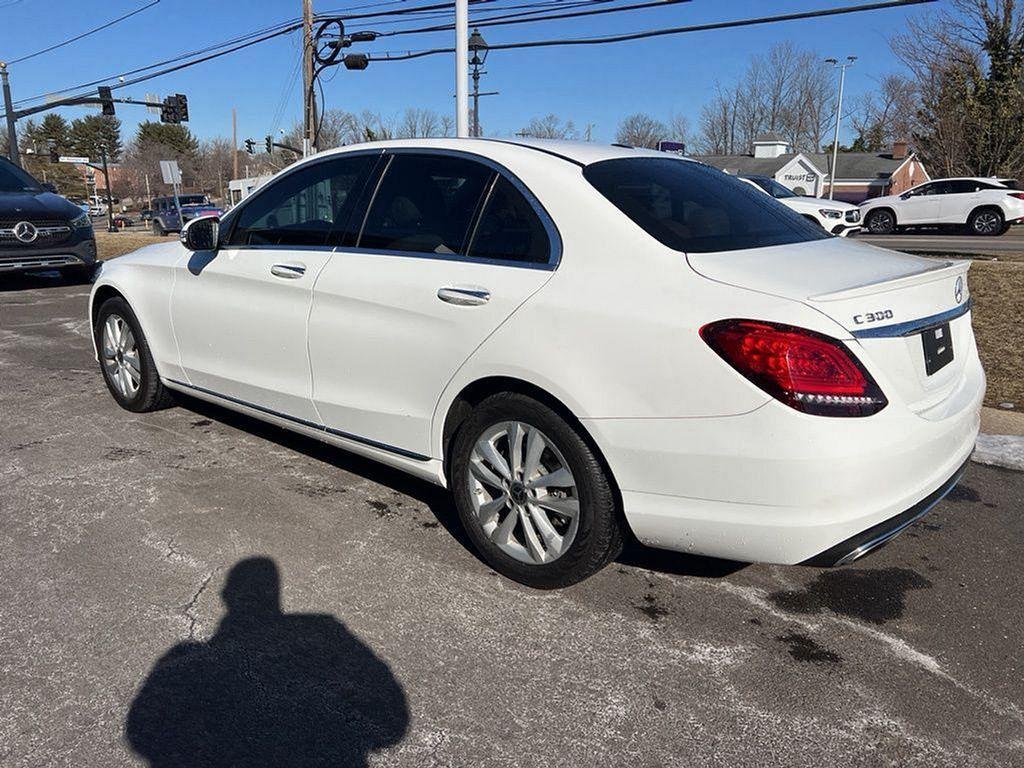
(464, 297)
(288, 271)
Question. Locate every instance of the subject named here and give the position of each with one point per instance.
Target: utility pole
(234, 142)
(309, 102)
(12, 132)
(461, 68)
(839, 118)
(110, 201)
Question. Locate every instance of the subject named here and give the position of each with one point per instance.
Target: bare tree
(550, 127)
(641, 130)
(887, 114)
(679, 128)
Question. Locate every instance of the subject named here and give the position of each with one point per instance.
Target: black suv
(40, 229)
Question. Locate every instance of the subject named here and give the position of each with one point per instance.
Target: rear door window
(509, 228)
(691, 207)
(425, 204)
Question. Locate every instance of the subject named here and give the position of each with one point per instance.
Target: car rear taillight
(1018, 195)
(806, 370)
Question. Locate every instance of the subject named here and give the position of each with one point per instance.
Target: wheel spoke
(502, 535)
(132, 361)
(483, 474)
(491, 509)
(565, 507)
(487, 451)
(560, 478)
(534, 448)
(533, 544)
(515, 447)
(552, 538)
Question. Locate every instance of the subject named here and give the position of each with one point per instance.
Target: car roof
(986, 179)
(578, 152)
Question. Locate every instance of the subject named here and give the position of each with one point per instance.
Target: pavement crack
(190, 606)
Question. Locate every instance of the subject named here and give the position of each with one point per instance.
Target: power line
(661, 32)
(83, 34)
(530, 17)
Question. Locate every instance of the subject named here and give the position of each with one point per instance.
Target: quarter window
(509, 229)
(425, 204)
(308, 207)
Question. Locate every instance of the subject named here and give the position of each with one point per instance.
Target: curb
(1006, 451)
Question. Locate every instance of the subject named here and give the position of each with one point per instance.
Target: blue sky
(588, 84)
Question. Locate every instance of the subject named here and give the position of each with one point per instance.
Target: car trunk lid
(905, 312)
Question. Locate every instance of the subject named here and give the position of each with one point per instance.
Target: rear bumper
(877, 536)
(775, 485)
(74, 254)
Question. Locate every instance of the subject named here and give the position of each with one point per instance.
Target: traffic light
(270, 144)
(250, 146)
(182, 107)
(169, 110)
(174, 109)
(106, 100)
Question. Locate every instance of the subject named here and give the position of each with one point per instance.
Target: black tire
(880, 222)
(600, 530)
(151, 394)
(987, 222)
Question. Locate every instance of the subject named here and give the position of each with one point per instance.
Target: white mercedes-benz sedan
(581, 342)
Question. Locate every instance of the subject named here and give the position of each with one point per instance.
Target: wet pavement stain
(805, 649)
(116, 453)
(202, 423)
(963, 493)
(381, 508)
(872, 596)
(651, 609)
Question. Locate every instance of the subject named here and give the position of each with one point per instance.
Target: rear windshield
(692, 207)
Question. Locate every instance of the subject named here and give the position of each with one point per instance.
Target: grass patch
(111, 244)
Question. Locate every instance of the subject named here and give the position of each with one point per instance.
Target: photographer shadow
(268, 689)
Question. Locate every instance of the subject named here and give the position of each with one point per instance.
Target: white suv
(834, 216)
(985, 206)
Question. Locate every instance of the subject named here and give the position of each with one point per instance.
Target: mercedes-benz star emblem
(26, 231)
(958, 290)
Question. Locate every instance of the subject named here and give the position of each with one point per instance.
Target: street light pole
(461, 68)
(12, 133)
(839, 118)
(477, 44)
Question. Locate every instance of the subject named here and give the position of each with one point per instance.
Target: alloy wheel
(987, 222)
(524, 495)
(881, 223)
(121, 356)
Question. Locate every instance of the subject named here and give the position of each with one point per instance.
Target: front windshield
(772, 187)
(691, 207)
(13, 179)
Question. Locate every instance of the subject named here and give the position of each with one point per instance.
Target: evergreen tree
(89, 134)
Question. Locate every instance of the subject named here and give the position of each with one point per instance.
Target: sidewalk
(1001, 442)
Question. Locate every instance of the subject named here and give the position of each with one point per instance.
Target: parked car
(984, 206)
(579, 341)
(167, 218)
(40, 229)
(146, 215)
(833, 216)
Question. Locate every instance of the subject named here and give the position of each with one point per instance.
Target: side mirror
(201, 234)
(48, 187)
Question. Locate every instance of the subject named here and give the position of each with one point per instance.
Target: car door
(240, 312)
(450, 247)
(960, 198)
(921, 204)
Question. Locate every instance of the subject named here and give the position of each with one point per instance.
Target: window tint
(13, 179)
(509, 228)
(688, 206)
(310, 206)
(425, 204)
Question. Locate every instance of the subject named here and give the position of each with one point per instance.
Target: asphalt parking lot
(140, 620)
(939, 241)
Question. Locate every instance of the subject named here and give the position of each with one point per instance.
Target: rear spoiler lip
(936, 272)
(911, 327)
